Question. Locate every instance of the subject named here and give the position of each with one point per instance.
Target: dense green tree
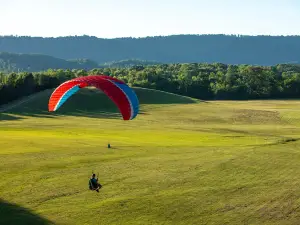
(199, 80)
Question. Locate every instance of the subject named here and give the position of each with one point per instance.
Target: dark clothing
(94, 184)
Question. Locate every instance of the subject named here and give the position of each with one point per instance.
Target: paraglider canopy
(118, 91)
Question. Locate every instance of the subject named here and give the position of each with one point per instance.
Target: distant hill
(260, 50)
(37, 62)
(13, 62)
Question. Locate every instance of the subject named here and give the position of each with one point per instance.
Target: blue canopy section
(67, 95)
(131, 97)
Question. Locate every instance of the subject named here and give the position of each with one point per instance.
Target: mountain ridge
(34, 62)
(228, 49)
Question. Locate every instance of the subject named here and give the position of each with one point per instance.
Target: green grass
(181, 161)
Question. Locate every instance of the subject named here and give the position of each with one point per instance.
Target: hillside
(261, 50)
(179, 161)
(14, 62)
(89, 102)
(38, 62)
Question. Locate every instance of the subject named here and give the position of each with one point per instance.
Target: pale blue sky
(140, 18)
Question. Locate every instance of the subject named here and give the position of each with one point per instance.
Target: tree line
(198, 80)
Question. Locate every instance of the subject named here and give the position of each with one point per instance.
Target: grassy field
(181, 161)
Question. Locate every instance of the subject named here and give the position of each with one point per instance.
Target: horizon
(143, 37)
(135, 19)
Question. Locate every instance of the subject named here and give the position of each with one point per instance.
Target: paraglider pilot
(93, 183)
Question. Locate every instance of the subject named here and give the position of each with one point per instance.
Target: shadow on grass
(90, 103)
(149, 96)
(4, 116)
(11, 214)
(53, 115)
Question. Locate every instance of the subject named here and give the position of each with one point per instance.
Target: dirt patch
(251, 116)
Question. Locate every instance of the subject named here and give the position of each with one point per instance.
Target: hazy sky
(139, 18)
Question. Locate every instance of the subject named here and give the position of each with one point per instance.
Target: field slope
(181, 161)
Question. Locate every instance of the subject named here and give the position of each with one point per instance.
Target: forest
(205, 81)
